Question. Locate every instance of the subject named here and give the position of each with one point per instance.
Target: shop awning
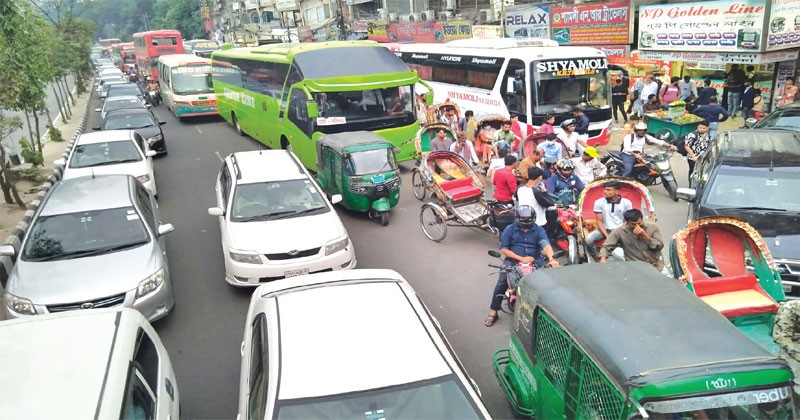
(721, 57)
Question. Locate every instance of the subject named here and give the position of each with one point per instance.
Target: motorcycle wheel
(418, 185)
(433, 226)
(508, 306)
(384, 218)
(572, 250)
(672, 188)
(614, 168)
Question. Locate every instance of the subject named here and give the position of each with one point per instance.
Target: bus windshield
(381, 108)
(775, 403)
(192, 79)
(558, 94)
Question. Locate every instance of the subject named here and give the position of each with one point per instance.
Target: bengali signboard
(286, 5)
(711, 57)
(487, 31)
(703, 26)
(528, 21)
(784, 25)
(376, 31)
(593, 24)
(435, 32)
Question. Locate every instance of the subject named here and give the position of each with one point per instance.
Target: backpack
(680, 143)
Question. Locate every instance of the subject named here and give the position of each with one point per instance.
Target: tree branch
(35, 4)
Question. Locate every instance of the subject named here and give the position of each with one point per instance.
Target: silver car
(95, 242)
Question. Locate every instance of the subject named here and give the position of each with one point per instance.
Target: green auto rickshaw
(361, 166)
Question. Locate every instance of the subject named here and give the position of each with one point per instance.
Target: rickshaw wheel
(434, 227)
(418, 185)
(384, 218)
(614, 169)
(572, 250)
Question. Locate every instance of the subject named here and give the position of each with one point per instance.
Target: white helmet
(640, 129)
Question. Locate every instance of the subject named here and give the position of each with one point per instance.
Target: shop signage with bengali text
(434, 32)
(487, 31)
(376, 31)
(784, 25)
(528, 21)
(702, 26)
(286, 5)
(593, 24)
(710, 57)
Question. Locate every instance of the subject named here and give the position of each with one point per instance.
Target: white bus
(529, 78)
(186, 89)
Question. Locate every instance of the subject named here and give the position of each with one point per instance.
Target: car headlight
(150, 284)
(336, 246)
(19, 305)
(143, 178)
(247, 257)
(155, 138)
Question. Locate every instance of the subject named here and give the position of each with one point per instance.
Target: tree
(183, 15)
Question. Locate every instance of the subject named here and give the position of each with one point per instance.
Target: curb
(16, 237)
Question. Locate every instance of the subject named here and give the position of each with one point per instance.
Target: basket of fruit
(668, 129)
(676, 108)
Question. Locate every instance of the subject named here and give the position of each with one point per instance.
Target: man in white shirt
(588, 167)
(608, 212)
(650, 88)
(633, 145)
(571, 138)
(532, 194)
(465, 149)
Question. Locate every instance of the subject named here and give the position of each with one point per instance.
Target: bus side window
(294, 77)
(514, 90)
(297, 111)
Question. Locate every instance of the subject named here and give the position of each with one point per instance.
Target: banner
(784, 25)
(593, 24)
(528, 21)
(613, 52)
(376, 31)
(487, 31)
(710, 57)
(704, 26)
(435, 32)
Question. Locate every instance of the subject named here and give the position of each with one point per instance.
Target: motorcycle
(152, 97)
(562, 236)
(649, 169)
(515, 273)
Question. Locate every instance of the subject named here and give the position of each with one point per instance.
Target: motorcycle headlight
(143, 178)
(150, 284)
(336, 246)
(663, 165)
(247, 257)
(19, 305)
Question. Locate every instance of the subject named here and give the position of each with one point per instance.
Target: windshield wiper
(267, 216)
(112, 162)
(88, 252)
(297, 213)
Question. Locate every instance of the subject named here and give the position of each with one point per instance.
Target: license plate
(787, 288)
(295, 273)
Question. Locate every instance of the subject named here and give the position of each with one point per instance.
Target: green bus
(287, 95)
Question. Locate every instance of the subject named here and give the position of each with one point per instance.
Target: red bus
(109, 42)
(148, 46)
(125, 53)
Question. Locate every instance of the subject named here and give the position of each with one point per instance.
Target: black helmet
(525, 216)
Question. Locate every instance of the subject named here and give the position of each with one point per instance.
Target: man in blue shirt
(706, 93)
(581, 121)
(521, 242)
(711, 113)
(564, 184)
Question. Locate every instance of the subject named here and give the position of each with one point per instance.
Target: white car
(274, 220)
(350, 344)
(122, 152)
(120, 102)
(102, 90)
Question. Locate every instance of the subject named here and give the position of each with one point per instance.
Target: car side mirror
(60, 162)
(750, 122)
(687, 194)
(312, 109)
(162, 122)
(148, 106)
(336, 198)
(150, 153)
(96, 128)
(7, 251)
(215, 211)
(165, 229)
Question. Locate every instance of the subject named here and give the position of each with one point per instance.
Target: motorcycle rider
(633, 146)
(564, 184)
(521, 242)
(152, 86)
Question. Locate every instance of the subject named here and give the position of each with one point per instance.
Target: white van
(95, 363)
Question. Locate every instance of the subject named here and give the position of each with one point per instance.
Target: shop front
(704, 40)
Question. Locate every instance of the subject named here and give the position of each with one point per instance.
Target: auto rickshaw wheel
(418, 184)
(384, 218)
(433, 225)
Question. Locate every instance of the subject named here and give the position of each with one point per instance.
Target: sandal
(490, 320)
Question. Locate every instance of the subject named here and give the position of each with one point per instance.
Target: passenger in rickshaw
(639, 240)
(533, 160)
(521, 242)
(465, 149)
(440, 142)
(564, 184)
(588, 167)
(609, 214)
(504, 138)
(483, 144)
(551, 148)
(571, 138)
(450, 118)
(505, 182)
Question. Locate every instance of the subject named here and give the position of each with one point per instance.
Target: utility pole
(146, 23)
(340, 19)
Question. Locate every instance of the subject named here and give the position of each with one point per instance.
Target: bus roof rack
(501, 43)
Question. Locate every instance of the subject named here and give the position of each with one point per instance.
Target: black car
(785, 118)
(142, 121)
(125, 89)
(753, 175)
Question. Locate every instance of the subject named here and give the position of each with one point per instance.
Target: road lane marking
(198, 129)
(219, 156)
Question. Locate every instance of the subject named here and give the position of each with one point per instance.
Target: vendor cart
(666, 129)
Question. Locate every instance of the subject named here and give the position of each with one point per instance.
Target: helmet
(564, 165)
(640, 128)
(567, 122)
(591, 151)
(525, 216)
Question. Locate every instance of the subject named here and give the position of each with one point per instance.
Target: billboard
(593, 24)
(784, 25)
(528, 21)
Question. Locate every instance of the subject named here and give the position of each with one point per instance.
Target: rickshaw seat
(735, 296)
(461, 188)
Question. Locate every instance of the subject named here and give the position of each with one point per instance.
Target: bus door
(301, 125)
(514, 89)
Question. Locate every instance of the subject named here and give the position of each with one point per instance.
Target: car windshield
(75, 235)
(107, 153)
(555, 93)
(775, 403)
(373, 161)
(783, 118)
(440, 398)
(128, 122)
(735, 187)
(364, 109)
(276, 200)
(110, 83)
(124, 89)
(123, 104)
(194, 79)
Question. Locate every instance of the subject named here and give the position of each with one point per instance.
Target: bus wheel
(285, 145)
(236, 125)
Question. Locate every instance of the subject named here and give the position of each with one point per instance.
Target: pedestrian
(547, 125)
(581, 121)
(688, 89)
(711, 113)
(635, 105)
(749, 95)
(618, 97)
(422, 107)
(532, 194)
(697, 142)
(670, 92)
(588, 167)
(471, 126)
(659, 82)
(706, 93)
(650, 88)
(609, 212)
(531, 161)
(734, 83)
(786, 94)
(517, 130)
(639, 240)
(505, 182)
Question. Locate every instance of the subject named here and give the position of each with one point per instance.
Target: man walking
(711, 113)
(734, 83)
(635, 104)
(618, 97)
(706, 93)
(749, 95)
(688, 89)
(697, 142)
